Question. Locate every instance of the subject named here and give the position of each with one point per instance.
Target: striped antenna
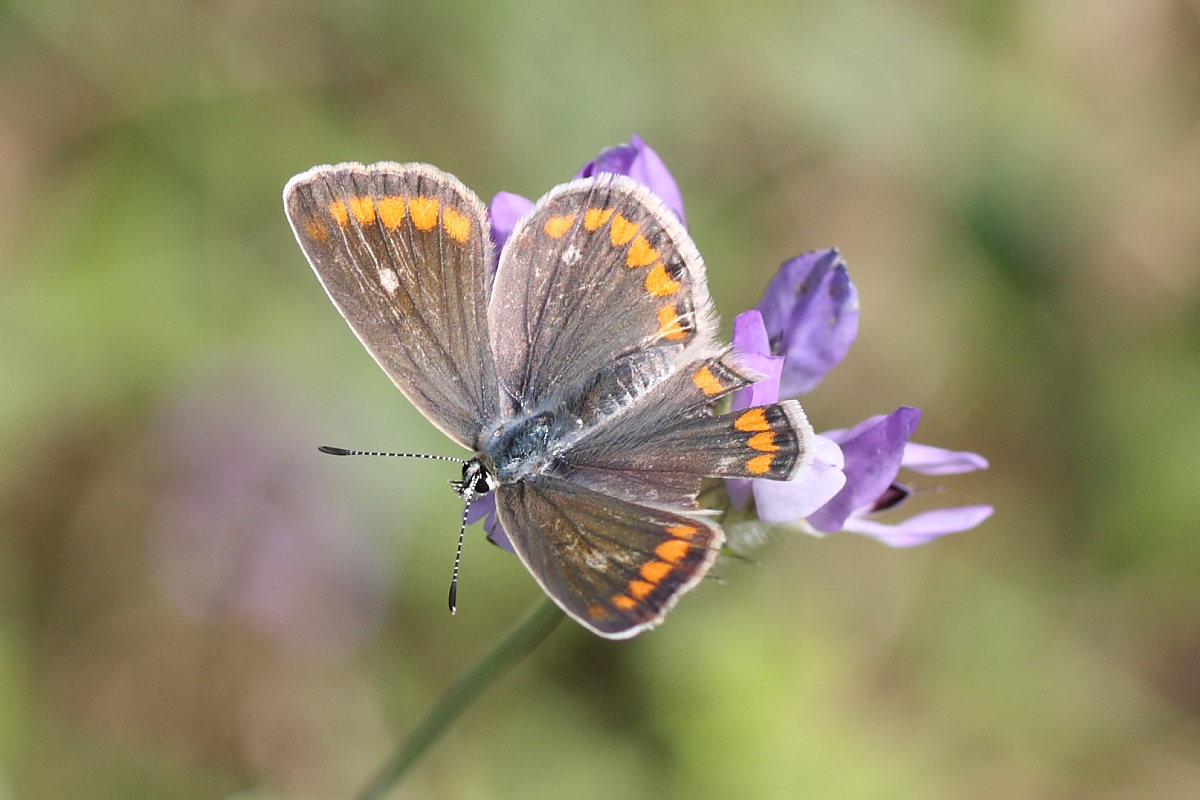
(462, 532)
(341, 451)
(465, 489)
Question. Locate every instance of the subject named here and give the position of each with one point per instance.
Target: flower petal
(762, 392)
(506, 209)
(750, 334)
(753, 351)
(872, 462)
(789, 501)
(640, 162)
(936, 461)
(497, 535)
(845, 434)
(484, 508)
(617, 159)
(810, 310)
(481, 507)
(828, 451)
(923, 527)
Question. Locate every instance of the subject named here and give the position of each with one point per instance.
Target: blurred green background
(195, 604)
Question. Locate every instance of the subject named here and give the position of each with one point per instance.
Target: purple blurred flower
(239, 533)
(808, 318)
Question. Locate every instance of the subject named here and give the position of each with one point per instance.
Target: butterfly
(579, 368)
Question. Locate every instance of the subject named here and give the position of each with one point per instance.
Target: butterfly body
(581, 371)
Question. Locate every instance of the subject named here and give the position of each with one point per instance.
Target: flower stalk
(511, 648)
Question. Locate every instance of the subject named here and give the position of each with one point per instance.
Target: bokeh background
(195, 604)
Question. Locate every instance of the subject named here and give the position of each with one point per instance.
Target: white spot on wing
(387, 276)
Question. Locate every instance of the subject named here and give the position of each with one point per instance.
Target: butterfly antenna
(341, 451)
(462, 531)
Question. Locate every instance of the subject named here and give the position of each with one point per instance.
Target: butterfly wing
(598, 279)
(667, 441)
(614, 566)
(404, 251)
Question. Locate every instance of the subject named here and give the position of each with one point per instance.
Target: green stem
(526, 635)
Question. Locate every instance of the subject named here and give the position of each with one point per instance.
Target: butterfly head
(476, 481)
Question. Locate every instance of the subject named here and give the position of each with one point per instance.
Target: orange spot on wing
(391, 211)
(622, 230)
(752, 420)
(655, 571)
(597, 611)
(458, 226)
(316, 230)
(363, 209)
(337, 210)
(640, 589)
(424, 211)
(707, 382)
(557, 227)
(763, 441)
(593, 218)
(640, 254)
(760, 464)
(659, 283)
(624, 602)
(672, 550)
(669, 326)
(683, 531)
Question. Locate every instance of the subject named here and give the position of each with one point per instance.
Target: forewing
(404, 252)
(598, 270)
(614, 566)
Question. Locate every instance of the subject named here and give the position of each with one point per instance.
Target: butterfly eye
(483, 484)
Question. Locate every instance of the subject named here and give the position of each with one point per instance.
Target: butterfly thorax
(527, 445)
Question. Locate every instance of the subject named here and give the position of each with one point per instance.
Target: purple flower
(810, 310)
(875, 450)
(808, 319)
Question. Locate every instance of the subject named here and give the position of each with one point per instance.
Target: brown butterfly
(580, 371)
